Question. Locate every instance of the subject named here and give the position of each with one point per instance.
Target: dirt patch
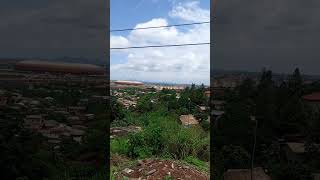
(117, 160)
(151, 169)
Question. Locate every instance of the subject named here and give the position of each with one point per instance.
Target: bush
(119, 146)
(137, 146)
(164, 136)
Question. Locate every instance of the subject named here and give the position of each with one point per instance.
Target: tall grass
(164, 136)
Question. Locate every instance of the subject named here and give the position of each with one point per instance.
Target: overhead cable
(155, 27)
(159, 46)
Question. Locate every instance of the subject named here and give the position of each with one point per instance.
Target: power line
(159, 46)
(155, 27)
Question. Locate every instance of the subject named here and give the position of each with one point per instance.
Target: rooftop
(296, 147)
(312, 97)
(245, 174)
(188, 120)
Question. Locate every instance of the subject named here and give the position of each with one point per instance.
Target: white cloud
(118, 41)
(188, 64)
(190, 11)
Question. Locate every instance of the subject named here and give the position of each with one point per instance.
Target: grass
(162, 137)
(119, 145)
(201, 165)
(122, 165)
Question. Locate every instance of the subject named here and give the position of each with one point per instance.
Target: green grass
(119, 145)
(201, 165)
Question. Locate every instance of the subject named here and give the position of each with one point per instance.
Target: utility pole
(253, 119)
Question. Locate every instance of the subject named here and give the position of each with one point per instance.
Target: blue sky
(175, 65)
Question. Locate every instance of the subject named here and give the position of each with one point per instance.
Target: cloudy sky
(277, 34)
(172, 64)
(53, 28)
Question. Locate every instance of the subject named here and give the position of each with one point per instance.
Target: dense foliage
(163, 136)
(27, 155)
(279, 110)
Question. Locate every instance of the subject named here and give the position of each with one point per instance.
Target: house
(218, 104)
(216, 115)
(34, 103)
(76, 109)
(245, 174)
(207, 93)
(294, 151)
(188, 120)
(77, 134)
(89, 116)
(316, 176)
(33, 122)
(202, 108)
(3, 100)
(63, 113)
(313, 100)
(74, 120)
(50, 99)
(50, 123)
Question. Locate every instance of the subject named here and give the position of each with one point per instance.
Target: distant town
(63, 106)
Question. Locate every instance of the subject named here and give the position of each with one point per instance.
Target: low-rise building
(218, 104)
(313, 100)
(245, 174)
(188, 120)
(294, 151)
(33, 122)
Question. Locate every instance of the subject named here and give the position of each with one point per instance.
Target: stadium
(59, 67)
(129, 83)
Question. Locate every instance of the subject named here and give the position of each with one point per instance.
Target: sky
(277, 34)
(53, 28)
(172, 64)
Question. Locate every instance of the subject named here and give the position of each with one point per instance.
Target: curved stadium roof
(128, 83)
(58, 67)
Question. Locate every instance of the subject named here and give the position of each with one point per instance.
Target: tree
(117, 110)
(295, 83)
(144, 104)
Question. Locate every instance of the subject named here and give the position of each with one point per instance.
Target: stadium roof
(128, 83)
(312, 97)
(59, 67)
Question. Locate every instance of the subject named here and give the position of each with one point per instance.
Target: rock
(140, 162)
(148, 161)
(186, 167)
(172, 165)
(151, 172)
(127, 170)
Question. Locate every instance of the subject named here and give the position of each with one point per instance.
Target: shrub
(196, 162)
(164, 136)
(119, 146)
(137, 146)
